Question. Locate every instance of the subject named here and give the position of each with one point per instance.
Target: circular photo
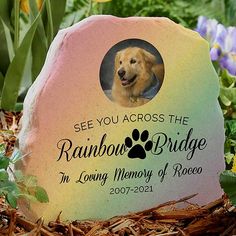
(131, 73)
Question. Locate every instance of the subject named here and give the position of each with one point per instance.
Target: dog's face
(131, 63)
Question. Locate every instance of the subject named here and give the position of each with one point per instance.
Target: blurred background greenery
(184, 12)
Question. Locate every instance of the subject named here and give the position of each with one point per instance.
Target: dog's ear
(117, 61)
(149, 58)
(157, 68)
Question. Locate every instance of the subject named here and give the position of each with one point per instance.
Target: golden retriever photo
(137, 77)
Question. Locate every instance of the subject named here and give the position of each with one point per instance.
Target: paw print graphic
(137, 150)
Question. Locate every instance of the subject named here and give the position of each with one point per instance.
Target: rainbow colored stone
(97, 159)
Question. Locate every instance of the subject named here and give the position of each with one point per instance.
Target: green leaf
(5, 60)
(228, 183)
(3, 175)
(6, 7)
(40, 32)
(58, 11)
(225, 100)
(26, 79)
(230, 126)
(4, 162)
(73, 17)
(230, 12)
(12, 200)
(15, 71)
(8, 186)
(1, 82)
(50, 21)
(229, 158)
(55, 10)
(41, 194)
(39, 44)
(226, 79)
(16, 24)
(19, 107)
(28, 197)
(10, 46)
(16, 156)
(229, 93)
(19, 175)
(39, 52)
(2, 148)
(30, 181)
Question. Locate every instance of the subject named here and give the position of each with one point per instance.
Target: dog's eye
(132, 61)
(120, 62)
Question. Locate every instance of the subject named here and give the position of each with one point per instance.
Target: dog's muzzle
(126, 82)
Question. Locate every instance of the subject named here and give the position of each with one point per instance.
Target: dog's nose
(121, 72)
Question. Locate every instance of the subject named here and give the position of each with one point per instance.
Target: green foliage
(3, 49)
(14, 185)
(184, 12)
(181, 11)
(15, 70)
(229, 16)
(76, 10)
(25, 39)
(227, 100)
(41, 194)
(230, 142)
(228, 183)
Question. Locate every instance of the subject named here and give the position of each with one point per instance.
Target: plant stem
(90, 10)
(50, 20)
(100, 8)
(16, 24)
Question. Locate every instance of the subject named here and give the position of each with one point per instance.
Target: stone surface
(67, 111)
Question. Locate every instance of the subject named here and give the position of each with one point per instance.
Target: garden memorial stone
(123, 116)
